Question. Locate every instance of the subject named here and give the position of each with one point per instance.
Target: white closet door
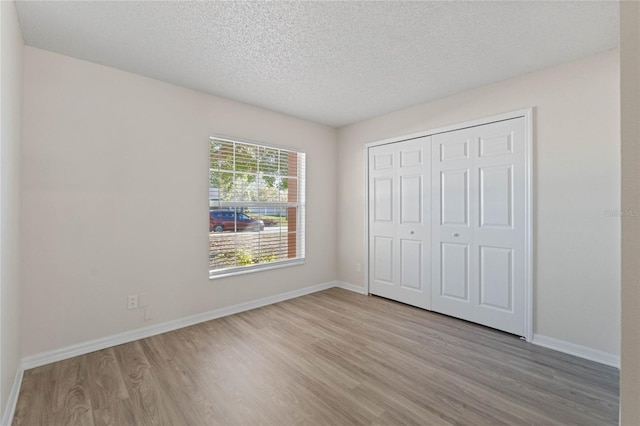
(478, 224)
(399, 221)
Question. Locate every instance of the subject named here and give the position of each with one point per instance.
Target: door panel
(400, 174)
(383, 193)
(383, 161)
(493, 231)
(454, 281)
(383, 255)
(411, 199)
(496, 277)
(454, 197)
(496, 196)
(501, 234)
(454, 149)
(411, 264)
(411, 158)
(499, 144)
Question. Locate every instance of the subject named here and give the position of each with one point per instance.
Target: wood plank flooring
(333, 357)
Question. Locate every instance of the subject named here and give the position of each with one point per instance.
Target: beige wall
(115, 200)
(630, 128)
(11, 51)
(576, 178)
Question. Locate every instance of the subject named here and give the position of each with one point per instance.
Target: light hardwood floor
(333, 357)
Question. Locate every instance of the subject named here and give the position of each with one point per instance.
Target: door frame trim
(527, 114)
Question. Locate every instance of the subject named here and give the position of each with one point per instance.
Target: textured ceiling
(330, 62)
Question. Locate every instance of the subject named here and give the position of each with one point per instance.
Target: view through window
(256, 206)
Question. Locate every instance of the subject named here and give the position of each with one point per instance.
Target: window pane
(246, 158)
(221, 155)
(243, 188)
(221, 184)
(268, 161)
(237, 238)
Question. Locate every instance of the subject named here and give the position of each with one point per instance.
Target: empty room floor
(333, 357)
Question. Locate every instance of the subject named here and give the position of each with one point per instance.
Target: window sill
(231, 272)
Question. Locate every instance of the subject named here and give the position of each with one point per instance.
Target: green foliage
(242, 257)
(238, 257)
(267, 257)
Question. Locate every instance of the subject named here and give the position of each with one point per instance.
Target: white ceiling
(334, 63)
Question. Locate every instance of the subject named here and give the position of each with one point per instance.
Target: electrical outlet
(148, 315)
(132, 301)
(358, 267)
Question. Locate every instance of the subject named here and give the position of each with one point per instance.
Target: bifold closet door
(478, 224)
(399, 221)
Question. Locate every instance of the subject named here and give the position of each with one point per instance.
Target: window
(256, 206)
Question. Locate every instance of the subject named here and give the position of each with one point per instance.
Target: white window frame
(300, 217)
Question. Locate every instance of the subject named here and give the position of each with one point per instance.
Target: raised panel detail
(382, 161)
(383, 254)
(411, 264)
(410, 158)
(496, 277)
(454, 197)
(383, 204)
(450, 151)
(454, 271)
(496, 145)
(411, 199)
(496, 196)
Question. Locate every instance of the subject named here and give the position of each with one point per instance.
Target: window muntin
(256, 206)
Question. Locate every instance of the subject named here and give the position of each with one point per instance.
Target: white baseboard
(10, 408)
(577, 350)
(129, 336)
(351, 287)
